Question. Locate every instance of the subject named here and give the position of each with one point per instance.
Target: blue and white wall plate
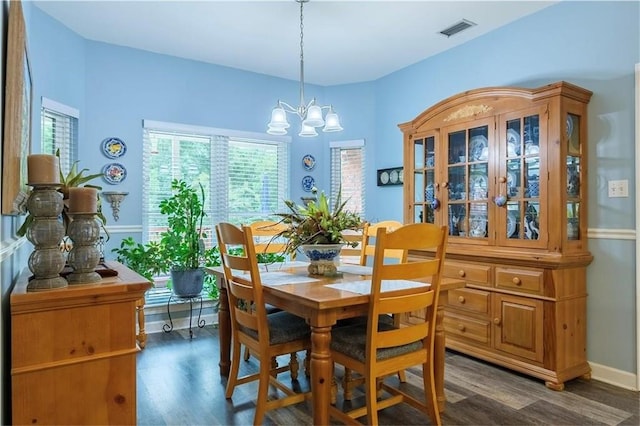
(113, 147)
(308, 162)
(308, 182)
(114, 173)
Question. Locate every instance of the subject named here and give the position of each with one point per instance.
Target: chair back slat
(264, 233)
(402, 336)
(368, 246)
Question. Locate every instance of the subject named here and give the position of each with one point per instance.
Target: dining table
(322, 301)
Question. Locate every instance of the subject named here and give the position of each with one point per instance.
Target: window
(348, 173)
(59, 130)
(245, 175)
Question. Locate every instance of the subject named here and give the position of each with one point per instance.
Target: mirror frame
(18, 113)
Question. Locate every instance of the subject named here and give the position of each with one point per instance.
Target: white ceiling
(344, 41)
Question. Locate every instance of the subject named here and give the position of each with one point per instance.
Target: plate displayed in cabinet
(569, 126)
(511, 224)
(512, 179)
(478, 186)
(513, 143)
(477, 147)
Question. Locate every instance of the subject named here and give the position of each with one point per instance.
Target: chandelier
(311, 113)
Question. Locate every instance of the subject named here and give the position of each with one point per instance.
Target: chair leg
(402, 376)
(247, 354)
(274, 365)
(263, 388)
(431, 398)
(233, 374)
(372, 400)
(307, 363)
(294, 366)
(346, 384)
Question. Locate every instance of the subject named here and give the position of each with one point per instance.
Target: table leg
(224, 331)
(321, 373)
(438, 354)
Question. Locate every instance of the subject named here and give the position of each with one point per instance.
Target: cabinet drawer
(468, 328)
(469, 299)
(525, 280)
(478, 274)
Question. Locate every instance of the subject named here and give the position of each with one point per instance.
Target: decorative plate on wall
(392, 176)
(308, 182)
(308, 162)
(113, 147)
(114, 173)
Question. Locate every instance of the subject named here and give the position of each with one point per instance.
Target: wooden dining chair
(378, 349)
(267, 336)
(367, 252)
(368, 245)
(264, 232)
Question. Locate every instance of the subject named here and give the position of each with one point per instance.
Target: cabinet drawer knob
(461, 299)
(461, 273)
(461, 327)
(516, 281)
(496, 321)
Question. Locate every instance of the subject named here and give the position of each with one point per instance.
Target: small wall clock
(392, 176)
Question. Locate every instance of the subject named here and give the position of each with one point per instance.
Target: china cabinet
(505, 169)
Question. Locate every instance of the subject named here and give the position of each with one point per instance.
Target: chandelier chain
(302, 108)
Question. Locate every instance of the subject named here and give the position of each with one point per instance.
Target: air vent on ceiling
(457, 27)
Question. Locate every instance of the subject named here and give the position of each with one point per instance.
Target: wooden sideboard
(73, 351)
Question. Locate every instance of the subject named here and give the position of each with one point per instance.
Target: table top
(312, 291)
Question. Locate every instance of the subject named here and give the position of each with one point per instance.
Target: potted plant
(317, 230)
(182, 242)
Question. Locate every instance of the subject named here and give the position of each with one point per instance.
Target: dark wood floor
(179, 384)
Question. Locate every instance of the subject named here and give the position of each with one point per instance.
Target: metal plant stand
(201, 322)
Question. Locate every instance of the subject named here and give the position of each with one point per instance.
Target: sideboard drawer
(477, 274)
(477, 331)
(525, 280)
(469, 299)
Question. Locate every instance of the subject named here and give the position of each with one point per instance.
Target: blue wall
(591, 44)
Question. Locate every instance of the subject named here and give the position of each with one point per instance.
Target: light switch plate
(618, 188)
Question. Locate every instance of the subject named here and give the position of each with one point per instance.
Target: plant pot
(187, 283)
(323, 258)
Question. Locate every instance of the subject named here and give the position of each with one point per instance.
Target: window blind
(348, 168)
(59, 130)
(245, 179)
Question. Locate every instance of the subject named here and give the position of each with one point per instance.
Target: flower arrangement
(316, 223)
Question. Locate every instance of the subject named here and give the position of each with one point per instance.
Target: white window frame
(67, 141)
(219, 139)
(336, 148)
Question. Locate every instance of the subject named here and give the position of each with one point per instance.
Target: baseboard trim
(613, 376)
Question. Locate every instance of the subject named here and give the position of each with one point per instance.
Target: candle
(43, 168)
(83, 200)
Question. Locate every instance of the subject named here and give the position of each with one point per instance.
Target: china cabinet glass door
(467, 180)
(425, 201)
(574, 175)
(521, 185)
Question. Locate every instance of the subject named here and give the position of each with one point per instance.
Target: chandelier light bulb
(307, 131)
(332, 122)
